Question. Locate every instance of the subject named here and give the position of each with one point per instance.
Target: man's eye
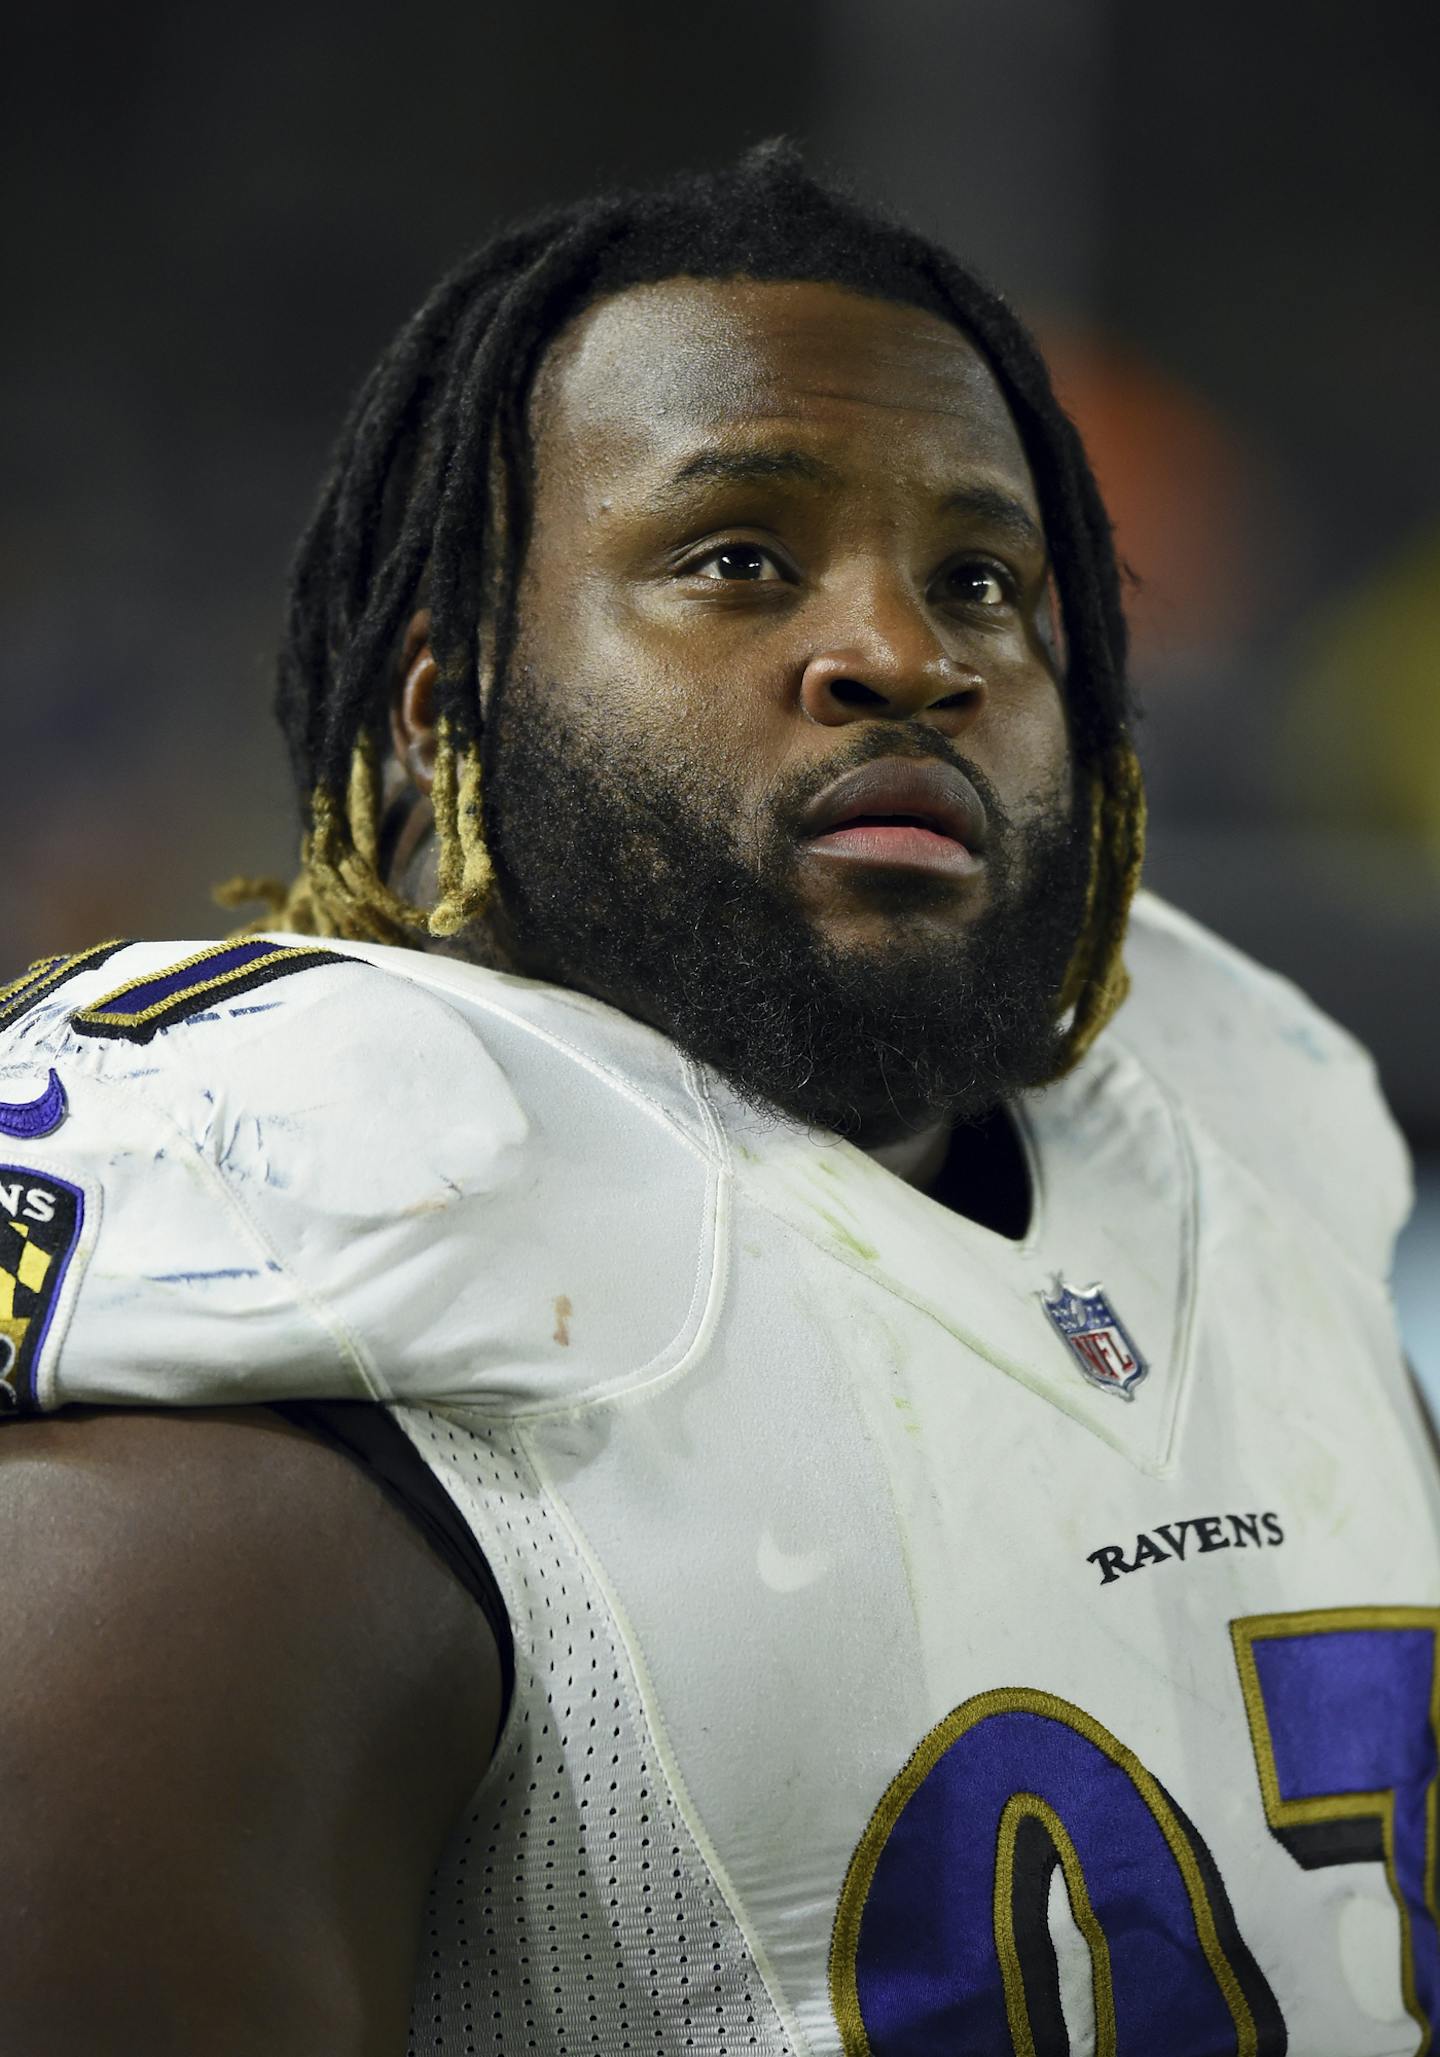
(735, 562)
(980, 585)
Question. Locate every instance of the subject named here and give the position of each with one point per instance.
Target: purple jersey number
(942, 1937)
(942, 1940)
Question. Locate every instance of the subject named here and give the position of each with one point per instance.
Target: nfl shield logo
(1102, 1345)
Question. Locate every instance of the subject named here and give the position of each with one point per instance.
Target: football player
(715, 1394)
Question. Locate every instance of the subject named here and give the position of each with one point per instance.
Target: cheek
(1030, 746)
(670, 684)
(574, 626)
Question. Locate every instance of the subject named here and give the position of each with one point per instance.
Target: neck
(916, 1158)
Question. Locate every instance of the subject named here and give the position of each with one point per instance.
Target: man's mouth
(896, 842)
(899, 811)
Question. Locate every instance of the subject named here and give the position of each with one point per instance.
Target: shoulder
(1279, 1084)
(234, 1146)
(169, 1012)
(354, 1172)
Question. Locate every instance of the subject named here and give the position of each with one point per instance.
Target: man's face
(782, 531)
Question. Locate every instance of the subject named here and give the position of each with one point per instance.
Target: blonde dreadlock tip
(238, 892)
(464, 871)
(1096, 982)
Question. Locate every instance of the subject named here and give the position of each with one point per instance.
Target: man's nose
(887, 650)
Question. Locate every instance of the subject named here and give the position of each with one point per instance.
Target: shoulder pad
(368, 1174)
(221, 1159)
(1278, 1083)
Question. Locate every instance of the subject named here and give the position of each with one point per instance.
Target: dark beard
(624, 878)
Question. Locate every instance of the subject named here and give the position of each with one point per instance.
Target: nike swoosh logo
(31, 1118)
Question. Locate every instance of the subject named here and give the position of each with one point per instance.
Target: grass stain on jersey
(911, 1427)
(865, 1251)
(842, 1234)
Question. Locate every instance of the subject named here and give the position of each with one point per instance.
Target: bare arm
(242, 1705)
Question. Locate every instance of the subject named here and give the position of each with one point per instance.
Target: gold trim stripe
(46, 973)
(103, 1013)
(106, 1017)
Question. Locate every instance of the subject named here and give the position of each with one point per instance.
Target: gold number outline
(860, 1874)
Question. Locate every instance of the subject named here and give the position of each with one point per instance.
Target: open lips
(899, 811)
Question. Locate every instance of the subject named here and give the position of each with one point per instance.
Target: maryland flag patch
(40, 1222)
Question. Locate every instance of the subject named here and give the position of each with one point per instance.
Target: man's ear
(412, 706)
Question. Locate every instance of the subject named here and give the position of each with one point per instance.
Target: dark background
(1222, 222)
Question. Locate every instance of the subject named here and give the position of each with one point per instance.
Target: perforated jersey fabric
(573, 1910)
(975, 1638)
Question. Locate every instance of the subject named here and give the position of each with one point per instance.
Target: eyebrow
(758, 467)
(749, 468)
(1001, 510)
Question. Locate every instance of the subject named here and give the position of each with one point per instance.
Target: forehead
(642, 376)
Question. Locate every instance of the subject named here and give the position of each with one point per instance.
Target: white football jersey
(926, 1643)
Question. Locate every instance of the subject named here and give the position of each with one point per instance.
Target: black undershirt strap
(370, 1435)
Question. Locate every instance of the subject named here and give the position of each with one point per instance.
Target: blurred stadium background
(1221, 220)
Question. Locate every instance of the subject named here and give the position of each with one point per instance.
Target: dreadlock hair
(428, 500)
